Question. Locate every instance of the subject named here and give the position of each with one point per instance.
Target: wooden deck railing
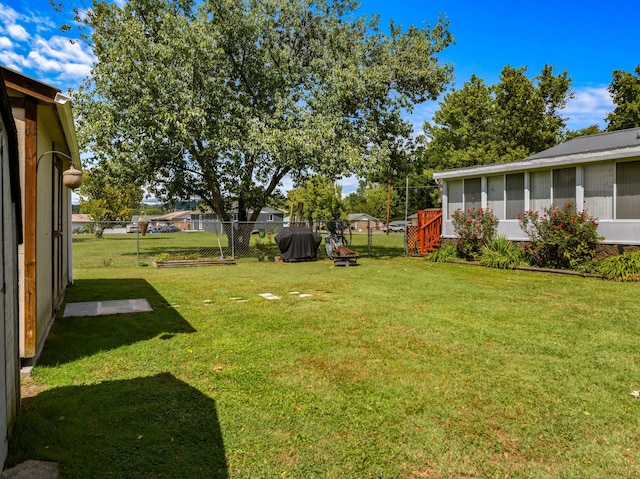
(429, 230)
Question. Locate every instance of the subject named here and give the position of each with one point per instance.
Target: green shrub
(443, 253)
(560, 237)
(622, 267)
(163, 257)
(475, 228)
(501, 253)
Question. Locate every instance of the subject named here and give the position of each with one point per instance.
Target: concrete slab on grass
(103, 308)
(32, 470)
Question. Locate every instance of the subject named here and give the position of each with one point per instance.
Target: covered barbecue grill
(298, 244)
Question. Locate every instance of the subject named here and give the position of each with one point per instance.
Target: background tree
(463, 131)
(107, 197)
(589, 130)
(321, 198)
(508, 121)
(224, 98)
(625, 92)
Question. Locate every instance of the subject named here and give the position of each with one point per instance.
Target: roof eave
(65, 113)
(539, 163)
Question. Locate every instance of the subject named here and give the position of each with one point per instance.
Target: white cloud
(75, 70)
(41, 63)
(61, 48)
(17, 32)
(7, 14)
(47, 55)
(589, 107)
(12, 60)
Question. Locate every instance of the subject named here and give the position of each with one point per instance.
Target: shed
(600, 174)
(47, 147)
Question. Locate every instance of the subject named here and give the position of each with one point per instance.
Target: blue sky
(589, 39)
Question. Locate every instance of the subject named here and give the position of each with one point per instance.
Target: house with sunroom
(600, 174)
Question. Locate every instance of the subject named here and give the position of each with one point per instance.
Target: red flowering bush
(475, 228)
(561, 238)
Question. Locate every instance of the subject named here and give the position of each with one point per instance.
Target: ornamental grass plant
(622, 267)
(503, 253)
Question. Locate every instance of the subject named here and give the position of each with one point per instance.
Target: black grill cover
(298, 244)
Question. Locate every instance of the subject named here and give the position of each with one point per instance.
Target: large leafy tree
(224, 98)
(462, 132)
(625, 92)
(510, 120)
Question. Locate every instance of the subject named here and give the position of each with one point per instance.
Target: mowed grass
(125, 250)
(396, 368)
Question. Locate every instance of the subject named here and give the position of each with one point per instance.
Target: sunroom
(600, 174)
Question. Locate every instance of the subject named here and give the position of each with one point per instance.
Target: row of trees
(223, 99)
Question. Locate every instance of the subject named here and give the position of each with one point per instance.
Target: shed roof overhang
(61, 112)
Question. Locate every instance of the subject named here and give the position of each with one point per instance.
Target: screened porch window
(495, 195)
(515, 195)
(598, 190)
(564, 186)
(628, 190)
(473, 193)
(454, 196)
(540, 186)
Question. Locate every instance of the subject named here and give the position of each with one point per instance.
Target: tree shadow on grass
(154, 426)
(76, 337)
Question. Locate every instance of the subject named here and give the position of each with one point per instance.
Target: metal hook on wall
(71, 178)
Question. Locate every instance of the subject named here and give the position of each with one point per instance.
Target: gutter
(65, 113)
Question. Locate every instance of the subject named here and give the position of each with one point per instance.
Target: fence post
(369, 237)
(137, 246)
(233, 241)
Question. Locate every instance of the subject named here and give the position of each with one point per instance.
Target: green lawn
(125, 250)
(396, 368)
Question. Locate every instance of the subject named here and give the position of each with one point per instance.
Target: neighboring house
(79, 221)
(600, 174)
(46, 142)
(267, 219)
(180, 219)
(11, 237)
(363, 221)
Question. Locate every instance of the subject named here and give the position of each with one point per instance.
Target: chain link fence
(125, 243)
